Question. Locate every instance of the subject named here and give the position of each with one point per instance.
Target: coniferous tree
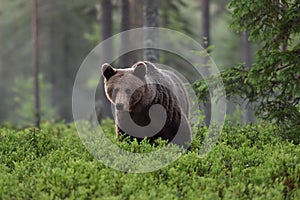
(36, 63)
(205, 41)
(249, 115)
(125, 25)
(151, 37)
(106, 27)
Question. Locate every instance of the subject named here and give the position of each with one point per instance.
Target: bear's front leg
(119, 132)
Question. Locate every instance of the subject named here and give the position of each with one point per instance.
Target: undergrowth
(250, 162)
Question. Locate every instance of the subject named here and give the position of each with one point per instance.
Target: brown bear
(148, 102)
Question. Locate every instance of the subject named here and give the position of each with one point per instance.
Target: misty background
(69, 30)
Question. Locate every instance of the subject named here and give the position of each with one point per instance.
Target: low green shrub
(250, 162)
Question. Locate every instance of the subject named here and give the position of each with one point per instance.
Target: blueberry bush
(249, 162)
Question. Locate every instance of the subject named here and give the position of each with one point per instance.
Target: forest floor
(249, 162)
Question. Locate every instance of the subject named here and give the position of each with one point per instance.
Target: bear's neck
(140, 118)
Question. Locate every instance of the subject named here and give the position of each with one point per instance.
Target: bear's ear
(140, 69)
(107, 71)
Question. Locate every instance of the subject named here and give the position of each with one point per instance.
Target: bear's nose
(119, 106)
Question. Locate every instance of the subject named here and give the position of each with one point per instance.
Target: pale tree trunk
(59, 65)
(151, 38)
(249, 115)
(106, 27)
(205, 40)
(136, 21)
(125, 40)
(57, 75)
(36, 63)
(66, 108)
(136, 13)
(51, 73)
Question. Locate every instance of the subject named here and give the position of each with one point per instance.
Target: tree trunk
(151, 38)
(136, 21)
(59, 67)
(205, 23)
(205, 40)
(36, 63)
(107, 25)
(66, 77)
(136, 13)
(125, 25)
(55, 73)
(165, 22)
(106, 31)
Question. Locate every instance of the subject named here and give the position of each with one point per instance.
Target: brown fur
(137, 89)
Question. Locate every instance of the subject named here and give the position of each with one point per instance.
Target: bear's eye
(114, 93)
(127, 91)
(116, 90)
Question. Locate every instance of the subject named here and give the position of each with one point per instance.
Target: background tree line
(68, 30)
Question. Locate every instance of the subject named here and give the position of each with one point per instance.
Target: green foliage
(171, 16)
(52, 163)
(94, 37)
(237, 115)
(273, 81)
(23, 101)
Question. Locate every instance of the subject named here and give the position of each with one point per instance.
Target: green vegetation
(272, 82)
(248, 163)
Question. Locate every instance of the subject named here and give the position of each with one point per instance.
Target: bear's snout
(119, 106)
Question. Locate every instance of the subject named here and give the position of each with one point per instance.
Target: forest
(238, 59)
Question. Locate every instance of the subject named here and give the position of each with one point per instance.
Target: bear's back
(171, 81)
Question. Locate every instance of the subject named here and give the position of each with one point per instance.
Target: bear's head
(124, 88)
